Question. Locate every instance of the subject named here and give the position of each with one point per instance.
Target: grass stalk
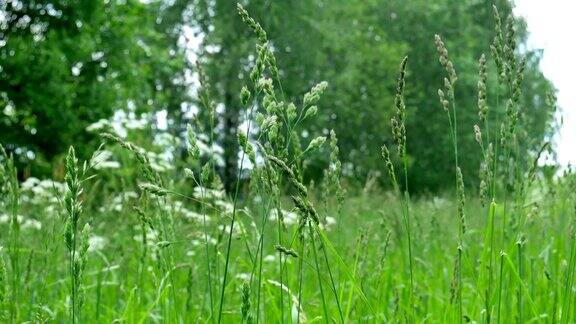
(312, 239)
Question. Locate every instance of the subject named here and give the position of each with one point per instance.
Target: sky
(551, 24)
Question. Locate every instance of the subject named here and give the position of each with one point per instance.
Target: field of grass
(156, 269)
(140, 245)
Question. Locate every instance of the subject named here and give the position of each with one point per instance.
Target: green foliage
(131, 279)
(166, 245)
(355, 45)
(65, 65)
(68, 65)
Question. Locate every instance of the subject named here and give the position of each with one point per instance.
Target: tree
(467, 27)
(356, 46)
(312, 43)
(67, 64)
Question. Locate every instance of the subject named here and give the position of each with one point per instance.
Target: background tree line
(66, 64)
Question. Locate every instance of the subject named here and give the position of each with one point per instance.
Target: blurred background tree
(67, 64)
(354, 45)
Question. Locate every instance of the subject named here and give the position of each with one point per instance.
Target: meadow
(125, 237)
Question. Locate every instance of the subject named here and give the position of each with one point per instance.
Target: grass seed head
(497, 24)
(189, 173)
(445, 103)
(517, 83)
(246, 147)
(71, 176)
(163, 244)
(478, 134)
(503, 135)
(267, 86)
(445, 60)
(144, 218)
(193, 149)
(310, 112)
(483, 192)
(153, 189)
(258, 70)
(72, 202)
(496, 54)
(285, 250)
(482, 105)
(139, 153)
(206, 172)
(389, 164)
(313, 96)
(255, 26)
(68, 235)
(510, 46)
(489, 161)
(316, 143)
(334, 150)
(306, 209)
(454, 284)
(398, 121)
(272, 65)
(84, 246)
(289, 174)
(244, 96)
(497, 46)
(448, 86)
(461, 200)
(245, 300)
(268, 123)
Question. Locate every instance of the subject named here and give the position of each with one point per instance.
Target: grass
(371, 276)
(172, 247)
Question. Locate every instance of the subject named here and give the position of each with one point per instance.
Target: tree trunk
(230, 142)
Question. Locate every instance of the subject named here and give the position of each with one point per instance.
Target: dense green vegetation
(70, 64)
(355, 45)
(336, 162)
(65, 65)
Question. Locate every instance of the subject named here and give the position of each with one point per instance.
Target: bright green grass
(371, 277)
(161, 256)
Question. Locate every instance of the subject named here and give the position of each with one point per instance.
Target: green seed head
(444, 59)
(285, 250)
(193, 149)
(313, 96)
(478, 134)
(245, 96)
(245, 300)
(461, 200)
(153, 189)
(316, 143)
(482, 105)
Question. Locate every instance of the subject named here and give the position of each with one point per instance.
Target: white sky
(551, 24)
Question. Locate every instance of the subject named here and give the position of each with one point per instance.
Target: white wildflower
(225, 206)
(31, 224)
(243, 276)
(270, 258)
(207, 193)
(97, 243)
(101, 160)
(29, 183)
(99, 125)
(290, 218)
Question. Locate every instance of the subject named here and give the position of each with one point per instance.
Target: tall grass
(171, 247)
